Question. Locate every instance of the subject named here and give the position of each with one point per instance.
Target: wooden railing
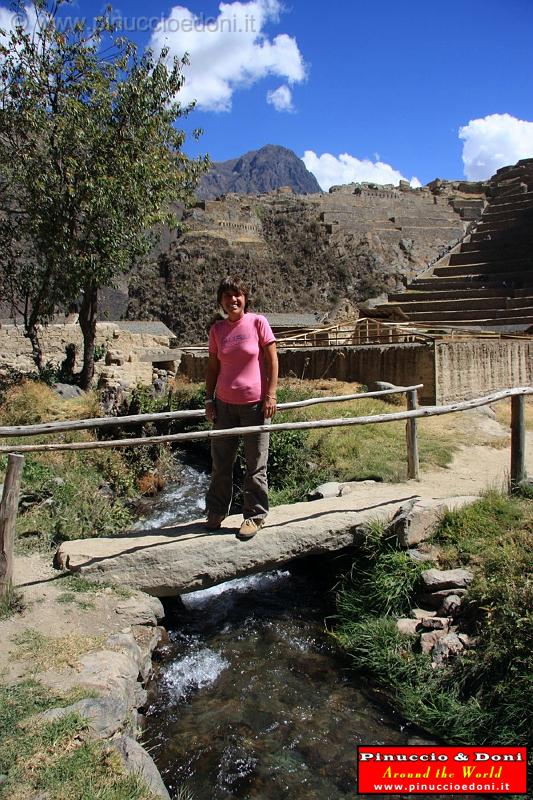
(10, 495)
(365, 330)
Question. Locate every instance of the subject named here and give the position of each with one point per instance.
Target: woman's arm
(211, 376)
(271, 359)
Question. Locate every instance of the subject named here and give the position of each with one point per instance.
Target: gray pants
(224, 453)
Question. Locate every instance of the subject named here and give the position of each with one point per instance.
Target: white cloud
(28, 18)
(228, 52)
(493, 142)
(332, 170)
(281, 98)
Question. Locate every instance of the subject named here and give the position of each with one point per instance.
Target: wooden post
(518, 439)
(8, 517)
(412, 438)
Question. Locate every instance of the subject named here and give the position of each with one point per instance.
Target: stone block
(451, 605)
(329, 489)
(407, 626)
(137, 762)
(435, 623)
(429, 640)
(416, 521)
(435, 599)
(447, 648)
(436, 579)
(421, 613)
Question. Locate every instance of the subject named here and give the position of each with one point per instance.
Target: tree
(90, 163)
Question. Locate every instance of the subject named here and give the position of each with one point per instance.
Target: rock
(148, 639)
(141, 609)
(526, 484)
(419, 556)
(105, 715)
(329, 489)
(381, 386)
(430, 639)
(421, 613)
(419, 741)
(447, 648)
(436, 599)
(451, 605)
(114, 358)
(469, 641)
(435, 623)
(115, 673)
(67, 391)
(407, 626)
(105, 490)
(169, 562)
(415, 521)
(159, 387)
(437, 579)
(137, 762)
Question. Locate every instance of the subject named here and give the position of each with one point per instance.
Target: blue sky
(362, 90)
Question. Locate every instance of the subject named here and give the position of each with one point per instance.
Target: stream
(251, 697)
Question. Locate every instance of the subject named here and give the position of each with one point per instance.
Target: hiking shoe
(214, 521)
(249, 528)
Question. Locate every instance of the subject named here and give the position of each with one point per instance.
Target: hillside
(300, 252)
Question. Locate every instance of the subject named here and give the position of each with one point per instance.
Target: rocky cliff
(300, 252)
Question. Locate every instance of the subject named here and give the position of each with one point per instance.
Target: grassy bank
(486, 694)
(56, 759)
(70, 495)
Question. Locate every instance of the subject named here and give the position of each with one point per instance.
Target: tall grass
(486, 695)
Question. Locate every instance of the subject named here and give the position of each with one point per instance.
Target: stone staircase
(488, 281)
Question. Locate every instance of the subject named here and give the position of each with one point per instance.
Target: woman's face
(233, 304)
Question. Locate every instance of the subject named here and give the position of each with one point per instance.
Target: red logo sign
(441, 770)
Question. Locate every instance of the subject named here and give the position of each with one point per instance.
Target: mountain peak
(258, 171)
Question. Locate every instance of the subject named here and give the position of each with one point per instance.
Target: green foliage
(100, 351)
(486, 695)
(67, 501)
(91, 161)
(382, 586)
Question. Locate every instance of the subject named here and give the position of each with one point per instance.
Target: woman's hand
(210, 410)
(269, 406)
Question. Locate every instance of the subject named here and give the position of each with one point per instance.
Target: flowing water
(252, 699)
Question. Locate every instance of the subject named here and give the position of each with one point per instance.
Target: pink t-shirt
(239, 348)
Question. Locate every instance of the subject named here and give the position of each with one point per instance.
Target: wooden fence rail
(9, 502)
(136, 419)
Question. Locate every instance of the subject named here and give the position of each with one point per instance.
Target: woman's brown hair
(232, 283)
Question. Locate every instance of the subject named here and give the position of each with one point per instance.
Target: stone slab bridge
(184, 558)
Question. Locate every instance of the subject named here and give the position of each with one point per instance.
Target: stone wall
(401, 364)
(126, 351)
(450, 371)
(472, 369)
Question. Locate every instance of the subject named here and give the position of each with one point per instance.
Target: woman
(241, 384)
